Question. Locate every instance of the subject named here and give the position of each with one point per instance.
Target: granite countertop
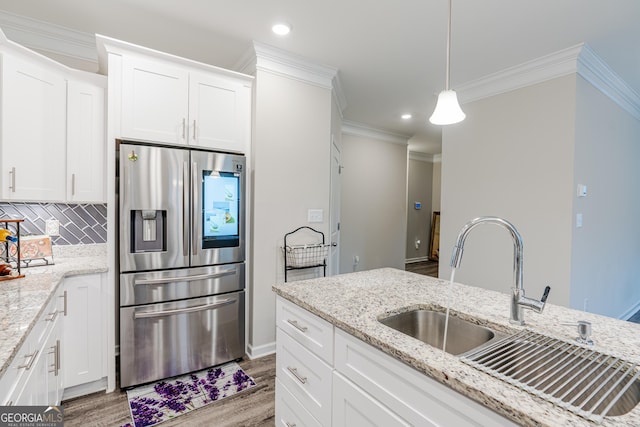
(23, 300)
(353, 302)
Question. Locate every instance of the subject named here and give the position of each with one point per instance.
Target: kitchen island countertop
(23, 300)
(354, 302)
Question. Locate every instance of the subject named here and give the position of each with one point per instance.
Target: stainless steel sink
(428, 327)
(587, 382)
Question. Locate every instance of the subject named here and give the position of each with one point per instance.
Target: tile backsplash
(79, 224)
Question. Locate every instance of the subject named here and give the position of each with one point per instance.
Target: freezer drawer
(163, 340)
(163, 286)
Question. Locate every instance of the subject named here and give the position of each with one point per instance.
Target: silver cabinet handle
(296, 325)
(183, 310)
(73, 184)
(55, 350)
(52, 316)
(184, 128)
(294, 372)
(64, 296)
(184, 279)
(32, 359)
(12, 172)
(194, 130)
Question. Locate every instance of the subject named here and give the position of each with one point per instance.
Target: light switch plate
(52, 227)
(315, 215)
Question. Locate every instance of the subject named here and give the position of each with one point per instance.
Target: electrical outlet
(52, 227)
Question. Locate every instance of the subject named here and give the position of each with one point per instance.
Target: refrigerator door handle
(183, 310)
(185, 209)
(164, 280)
(194, 194)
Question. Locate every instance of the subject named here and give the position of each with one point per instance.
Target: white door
(33, 131)
(155, 101)
(334, 221)
(219, 111)
(86, 145)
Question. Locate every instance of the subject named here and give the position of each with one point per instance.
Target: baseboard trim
(418, 259)
(85, 389)
(255, 352)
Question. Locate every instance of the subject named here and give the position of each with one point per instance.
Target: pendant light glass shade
(447, 110)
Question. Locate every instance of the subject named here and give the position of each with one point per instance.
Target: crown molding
(579, 59)
(281, 62)
(594, 70)
(359, 129)
(422, 157)
(47, 37)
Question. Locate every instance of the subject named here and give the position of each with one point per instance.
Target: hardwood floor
(428, 268)
(256, 407)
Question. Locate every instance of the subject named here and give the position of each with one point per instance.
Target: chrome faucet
(518, 299)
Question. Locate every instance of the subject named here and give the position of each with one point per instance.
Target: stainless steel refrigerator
(181, 260)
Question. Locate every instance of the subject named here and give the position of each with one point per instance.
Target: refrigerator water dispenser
(148, 230)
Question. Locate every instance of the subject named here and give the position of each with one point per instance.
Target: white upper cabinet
(172, 100)
(85, 142)
(219, 112)
(155, 100)
(33, 130)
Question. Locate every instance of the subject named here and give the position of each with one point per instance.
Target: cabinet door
(86, 144)
(83, 349)
(219, 112)
(33, 131)
(155, 101)
(354, 407)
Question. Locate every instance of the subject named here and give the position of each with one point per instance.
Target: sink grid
(576, 377)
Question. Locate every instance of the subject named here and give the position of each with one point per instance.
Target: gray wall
(291, 152)
(605, 267)
(373, 203)
(419, 189)
(521, 155)
(513, 157)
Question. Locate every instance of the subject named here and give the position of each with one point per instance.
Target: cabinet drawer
(16, 374)
(354, 407)
(421, 400)
(306, 376)
(290, 412)
(308, 329)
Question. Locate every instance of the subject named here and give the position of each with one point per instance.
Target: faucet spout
(518, 300)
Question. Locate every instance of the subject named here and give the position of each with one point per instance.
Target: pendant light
(447, 110)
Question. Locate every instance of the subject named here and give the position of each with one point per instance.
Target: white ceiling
(390, 55)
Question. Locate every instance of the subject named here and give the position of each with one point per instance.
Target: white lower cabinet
(34, 377)
(64, 352)
(289, 411)
(358, 385)
(84, 335)
(352, 406)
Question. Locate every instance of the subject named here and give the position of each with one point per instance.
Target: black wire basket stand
(304, 256)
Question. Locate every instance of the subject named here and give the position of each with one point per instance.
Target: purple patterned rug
(152, 404)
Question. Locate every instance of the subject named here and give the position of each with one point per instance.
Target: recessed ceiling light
(281, 29)
(406, 116)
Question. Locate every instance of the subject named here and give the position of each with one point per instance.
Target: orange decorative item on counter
(10, 249)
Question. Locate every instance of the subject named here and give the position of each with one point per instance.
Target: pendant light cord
(447, 76)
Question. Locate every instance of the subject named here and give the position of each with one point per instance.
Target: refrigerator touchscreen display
(221, 206)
